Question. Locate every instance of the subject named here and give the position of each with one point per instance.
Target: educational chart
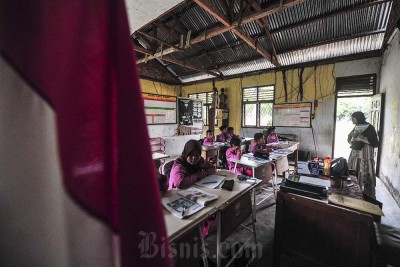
(190, 110)
(159, 109)
(292, 114)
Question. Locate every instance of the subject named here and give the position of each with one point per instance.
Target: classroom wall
(318, 83)
(39, 224)
(148, 86)
(390, 84)
(360, 67)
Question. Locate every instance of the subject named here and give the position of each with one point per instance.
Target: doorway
(345, 106)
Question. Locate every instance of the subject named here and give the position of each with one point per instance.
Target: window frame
(207, 105)
(258, 103)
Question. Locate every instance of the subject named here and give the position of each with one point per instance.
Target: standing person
(190, 167)
(272, 137)
(363, 139)
(209, 139)
(224, 136)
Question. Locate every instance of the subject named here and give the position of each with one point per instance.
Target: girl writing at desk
(190, 167)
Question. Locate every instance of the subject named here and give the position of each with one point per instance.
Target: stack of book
(306, 186)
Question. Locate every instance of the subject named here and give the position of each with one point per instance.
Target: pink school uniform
(234, 155)
(272, 138)
(180, 177)
(224, 137)
(256, 147)
(208, 141)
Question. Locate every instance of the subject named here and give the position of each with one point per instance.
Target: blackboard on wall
(292, 115)
(189, 111)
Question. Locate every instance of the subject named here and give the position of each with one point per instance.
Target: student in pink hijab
(190, 167)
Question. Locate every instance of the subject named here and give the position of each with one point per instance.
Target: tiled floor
(390, 207)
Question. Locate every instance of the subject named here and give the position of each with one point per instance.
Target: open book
(211, 181)
(187, 202)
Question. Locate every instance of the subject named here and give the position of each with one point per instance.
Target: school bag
(339, 167)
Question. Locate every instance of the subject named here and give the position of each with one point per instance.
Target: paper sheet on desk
(209, 181)
(314, 181)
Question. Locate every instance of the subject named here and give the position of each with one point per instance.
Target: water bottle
(327, 166)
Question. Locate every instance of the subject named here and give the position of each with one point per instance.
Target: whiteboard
(159, 109)
(292, 114)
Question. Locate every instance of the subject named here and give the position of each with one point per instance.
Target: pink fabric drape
(78, 55)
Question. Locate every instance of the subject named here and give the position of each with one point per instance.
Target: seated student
(259, 144)
(190, 167)
(209, 140)
(230, 132)
(224, 136)
(234, 152)
(272, 137)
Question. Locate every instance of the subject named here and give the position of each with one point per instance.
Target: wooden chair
(157, 145)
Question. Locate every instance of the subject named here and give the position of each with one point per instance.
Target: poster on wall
(159, 109)
(292, 114)
(189, 111)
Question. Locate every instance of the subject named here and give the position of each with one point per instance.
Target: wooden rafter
(328, 15)
(175, 61)
(264, 22)
(208, 6)
(159, 40)
(271, 9)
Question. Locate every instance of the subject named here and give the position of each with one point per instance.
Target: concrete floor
(390, 207)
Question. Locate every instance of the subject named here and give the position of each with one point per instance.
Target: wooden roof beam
(176, 61)
(264, 22)
(271, 9)
(208, 6)
(159, 40)
(328, 15)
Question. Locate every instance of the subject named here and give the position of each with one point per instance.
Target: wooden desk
(311, 232)
(237, 200)
(158, 156)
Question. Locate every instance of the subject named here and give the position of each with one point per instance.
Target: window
(363, 85)
(206, 99)
(257, 106)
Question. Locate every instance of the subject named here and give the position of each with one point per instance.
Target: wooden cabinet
(313, 233)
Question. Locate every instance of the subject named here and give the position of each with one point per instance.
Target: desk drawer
(234, 214)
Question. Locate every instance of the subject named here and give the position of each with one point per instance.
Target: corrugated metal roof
(332, 28)
(337, 34)
(254, 65)
(195, 77)
(348, 47)
(197, 19)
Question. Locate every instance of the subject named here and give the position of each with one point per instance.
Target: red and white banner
(78, 56)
